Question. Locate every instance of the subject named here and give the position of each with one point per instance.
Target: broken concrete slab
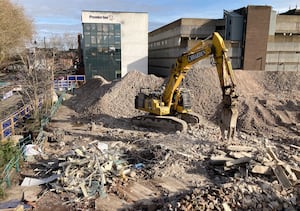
(260, 169)
(237, 161)
(240, 148)
(219, 159)
(240, 154)
(34, 181)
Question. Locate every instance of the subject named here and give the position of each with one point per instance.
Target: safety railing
(9, 124)
(14, 162)
(71, 82)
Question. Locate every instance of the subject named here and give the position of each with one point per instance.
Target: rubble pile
(115, 98)
(101, 160)
(90, 170)
(239, 195)
(269, 101)
(155, 159)
(242, 177)
(252, 176)
(251, 160)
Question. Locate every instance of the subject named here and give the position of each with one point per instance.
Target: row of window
(158, 44)
(93, 41)
(102, 27)
(102, 35)
(102, 50)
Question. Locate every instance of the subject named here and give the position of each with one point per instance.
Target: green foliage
(7, 151)
(1, 191)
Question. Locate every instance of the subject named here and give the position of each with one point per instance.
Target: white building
(114, 43)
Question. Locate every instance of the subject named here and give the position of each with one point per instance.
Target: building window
(102, 50)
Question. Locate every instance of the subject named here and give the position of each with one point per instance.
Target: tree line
(33, 62)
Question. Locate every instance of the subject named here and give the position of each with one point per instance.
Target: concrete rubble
(240, 175)
(106, 163)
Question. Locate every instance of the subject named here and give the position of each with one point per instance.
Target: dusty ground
(177, 172)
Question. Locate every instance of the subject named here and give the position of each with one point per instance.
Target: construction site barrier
(9, 124)
(72, 81)
(14, 162)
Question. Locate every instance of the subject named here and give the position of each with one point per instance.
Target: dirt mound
(269, 101)
(89, 93)
(116, 98)
(205, 88)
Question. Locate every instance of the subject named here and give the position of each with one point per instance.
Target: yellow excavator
(170, 106)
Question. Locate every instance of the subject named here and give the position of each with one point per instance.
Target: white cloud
(64, 14)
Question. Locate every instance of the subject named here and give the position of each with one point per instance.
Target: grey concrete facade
(170, 41)
(256, 37)
(283, 51)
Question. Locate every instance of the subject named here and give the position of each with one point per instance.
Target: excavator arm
(199, 52)
(174, 100)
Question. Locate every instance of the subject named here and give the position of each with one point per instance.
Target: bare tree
(16, 29)
(71, 41)
(61, 42)
(36, 78)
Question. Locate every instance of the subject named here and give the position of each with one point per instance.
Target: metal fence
(14, 162)
(9, 124)
(71, 82)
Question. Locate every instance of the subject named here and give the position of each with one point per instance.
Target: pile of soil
(269, 101)
(115, 98)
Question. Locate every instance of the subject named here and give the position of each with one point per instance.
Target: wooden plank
(240, 148)
(138, 192)
(238, 161)
(296, 158)
(296, 171)
(281, 176)
(1, 131)
(219, 159)
(240, 154)
(294, 146)
(12, 125)
(272, 154)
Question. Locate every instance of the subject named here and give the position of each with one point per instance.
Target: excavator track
(164, 123)
(190, 118)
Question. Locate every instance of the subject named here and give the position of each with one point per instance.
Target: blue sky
(64, 16)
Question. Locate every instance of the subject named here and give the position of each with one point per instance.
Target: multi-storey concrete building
(114, 43)
(283, 49)
(269, 41)
(256, 36)
(170, 41)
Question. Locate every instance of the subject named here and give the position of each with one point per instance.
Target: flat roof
(110, 11)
